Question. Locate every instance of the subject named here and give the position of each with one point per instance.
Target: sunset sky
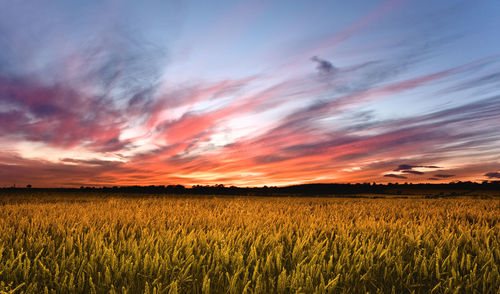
(248, 93)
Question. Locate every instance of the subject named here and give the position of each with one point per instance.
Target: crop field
(120, 244)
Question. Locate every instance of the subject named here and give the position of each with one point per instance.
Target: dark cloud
(46, 109)
(493, 175)
(433, 179)
(413, 172)
(324, 67)
(404, 167)
(407, 168)
(443, 176)
(394, 176)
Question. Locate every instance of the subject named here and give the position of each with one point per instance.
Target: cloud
(96, 162)
(378, 12)
(404, 167)
(433, 179)
(395, 176)
(493, 175)
(490, 80)
(70, 81)
(407, 168)
(443, 176)
(15, 169)
(57, 115)
(346, 101)
(324, 67)
(413, 172)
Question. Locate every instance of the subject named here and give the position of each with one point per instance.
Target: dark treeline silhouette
(344, 190)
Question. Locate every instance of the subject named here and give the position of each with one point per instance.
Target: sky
(248, 93)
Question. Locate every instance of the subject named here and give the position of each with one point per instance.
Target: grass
(89, 244)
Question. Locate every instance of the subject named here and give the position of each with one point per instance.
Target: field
(122, 244)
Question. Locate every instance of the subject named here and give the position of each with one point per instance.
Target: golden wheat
(56, 244)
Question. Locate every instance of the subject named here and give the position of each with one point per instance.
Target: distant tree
(28, 186)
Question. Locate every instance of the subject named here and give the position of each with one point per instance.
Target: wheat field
(91, 244)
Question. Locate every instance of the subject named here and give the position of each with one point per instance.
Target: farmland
(58, 243)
